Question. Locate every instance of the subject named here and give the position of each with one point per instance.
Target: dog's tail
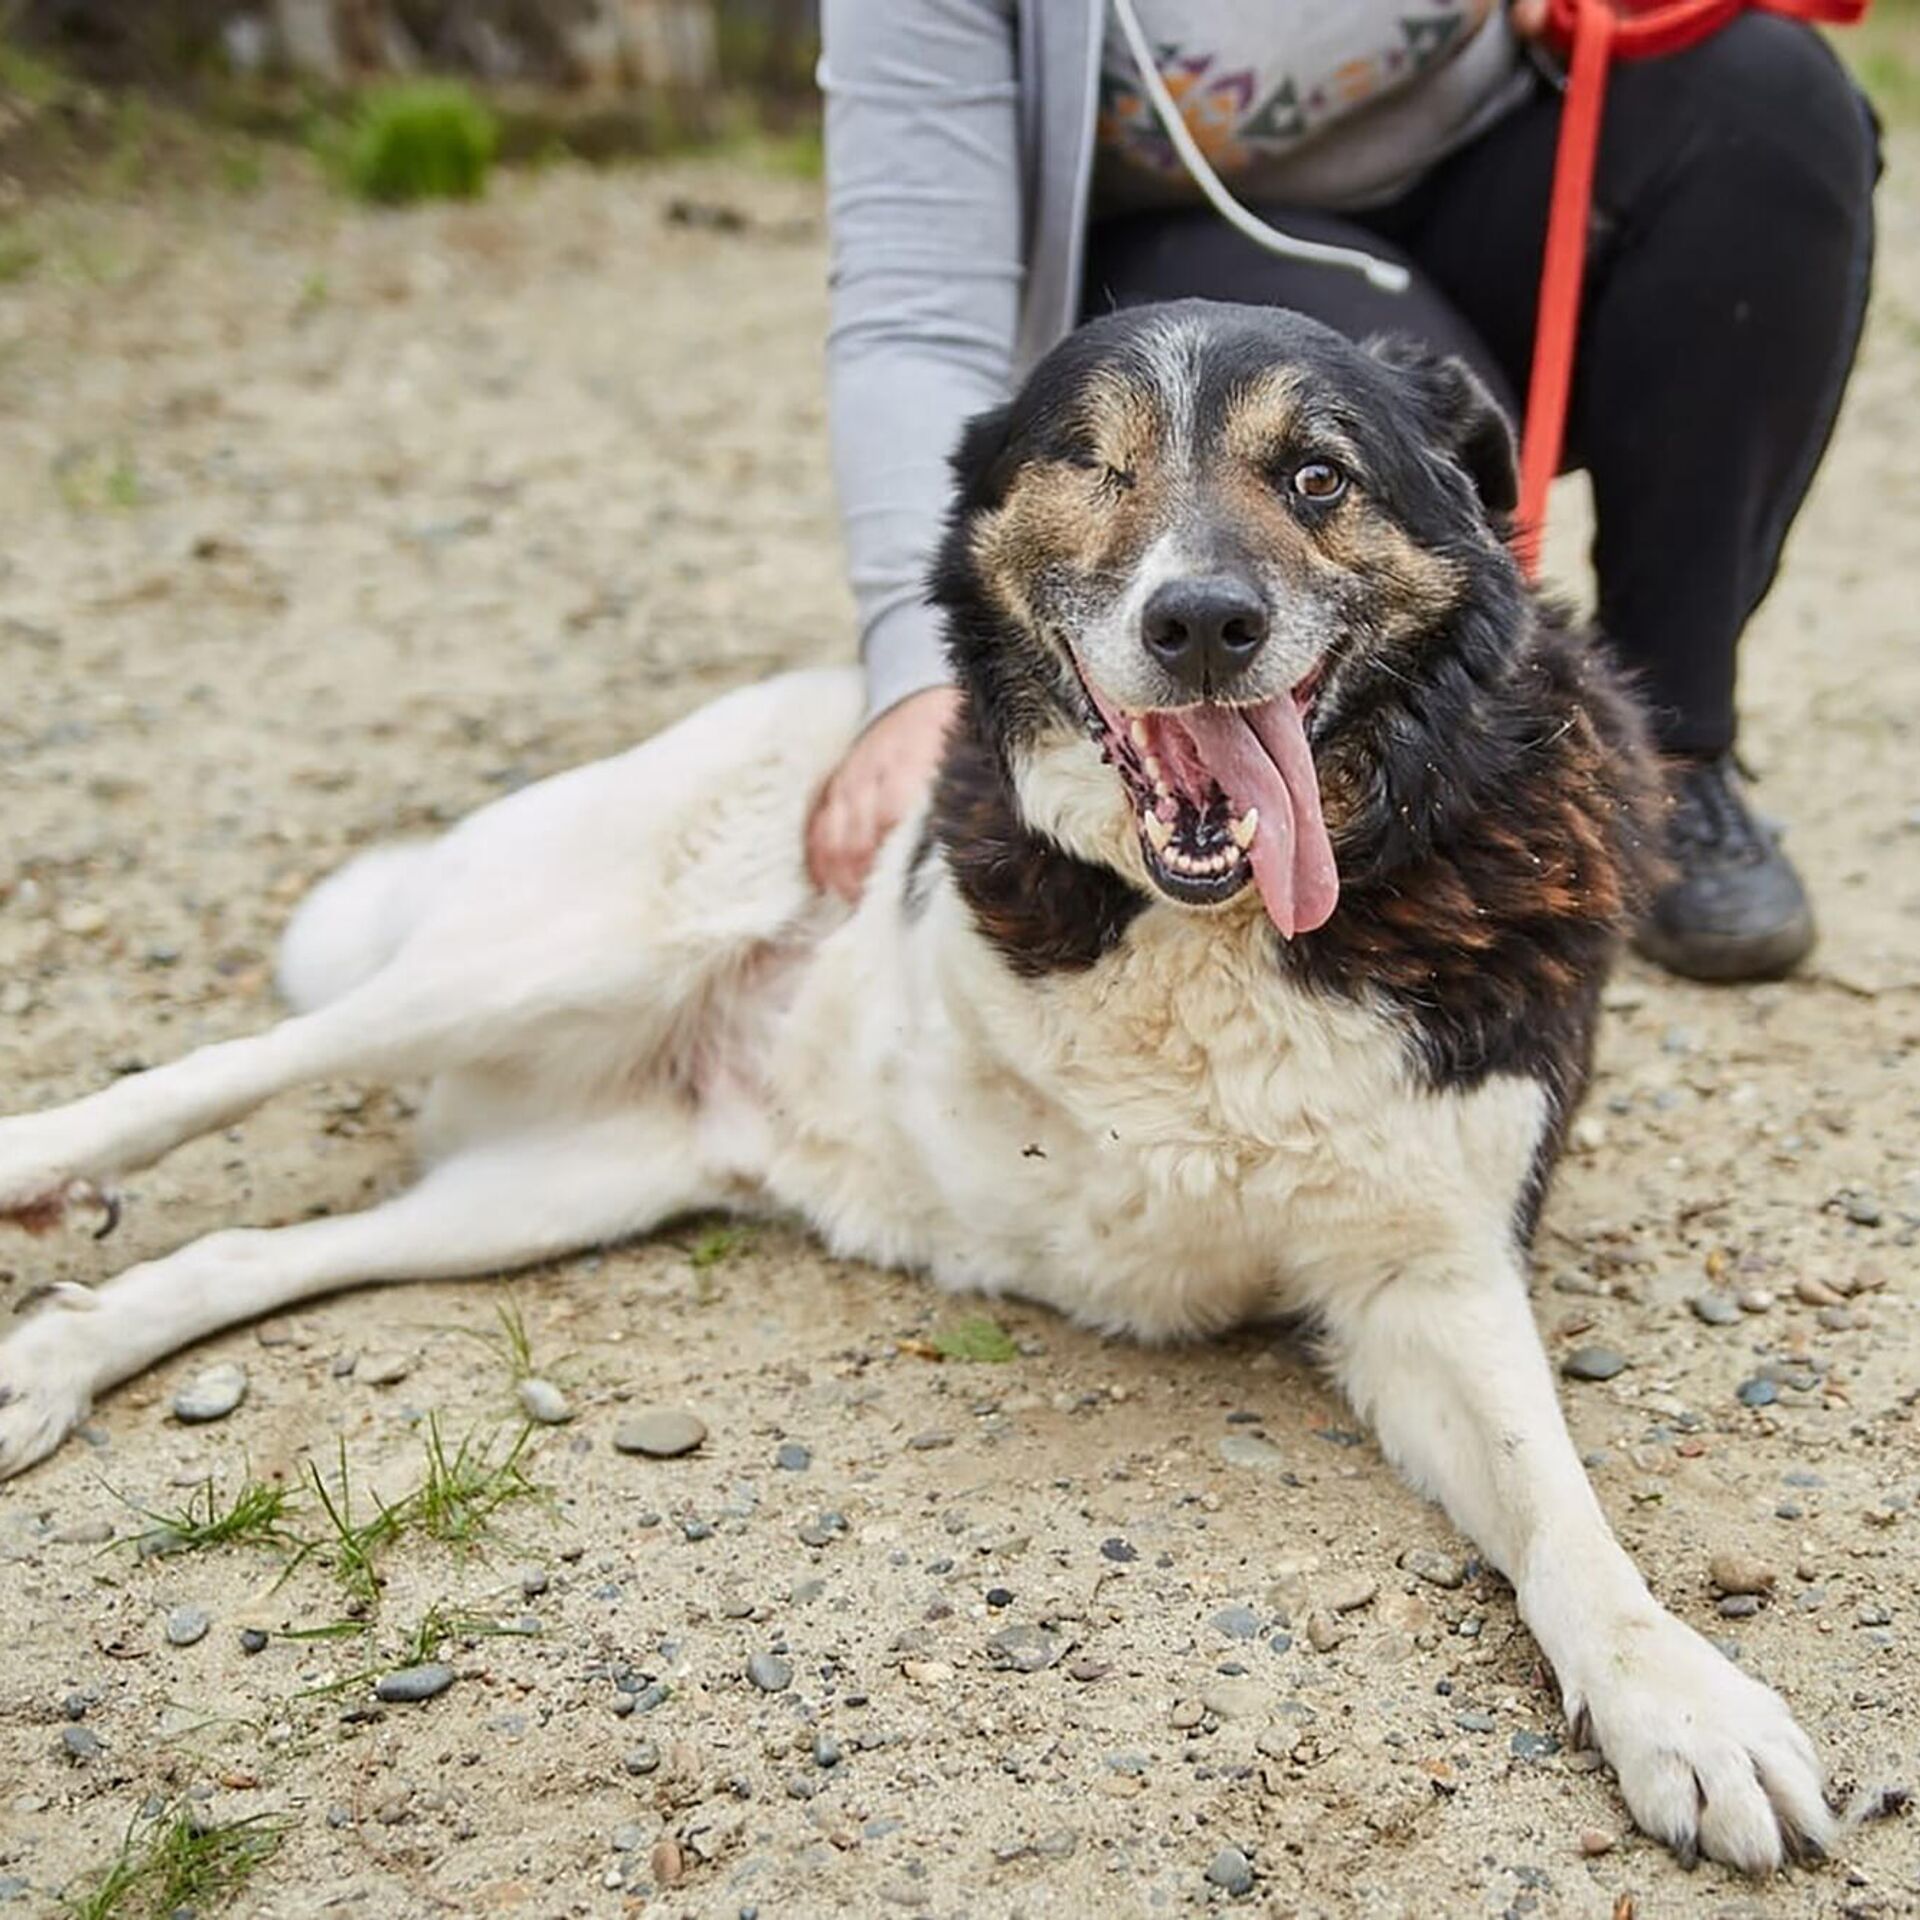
(351, 925)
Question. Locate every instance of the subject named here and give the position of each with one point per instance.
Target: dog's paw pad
(1709, 1760)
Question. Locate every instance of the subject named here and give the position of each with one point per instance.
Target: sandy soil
(316, 527)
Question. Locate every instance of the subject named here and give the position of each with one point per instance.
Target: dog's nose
(1203, 631)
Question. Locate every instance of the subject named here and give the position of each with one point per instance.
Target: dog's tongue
(1260, 758)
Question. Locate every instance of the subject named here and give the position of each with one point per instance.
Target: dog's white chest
(1161, 1144)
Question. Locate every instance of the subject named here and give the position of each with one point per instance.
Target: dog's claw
(109, 1204)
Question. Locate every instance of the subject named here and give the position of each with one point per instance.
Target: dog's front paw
(45, 1391)
(1709, 1760)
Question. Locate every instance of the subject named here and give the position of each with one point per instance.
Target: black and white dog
(1245, 960)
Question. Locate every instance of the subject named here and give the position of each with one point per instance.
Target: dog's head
(1222, 542)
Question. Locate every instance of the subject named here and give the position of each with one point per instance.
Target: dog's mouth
(1227, 796)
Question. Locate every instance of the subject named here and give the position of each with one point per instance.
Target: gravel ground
(318, 527)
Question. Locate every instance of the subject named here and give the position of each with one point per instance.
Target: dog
(1244, 961)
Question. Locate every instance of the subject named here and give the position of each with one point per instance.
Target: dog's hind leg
(505, 1204)
(50, 1158)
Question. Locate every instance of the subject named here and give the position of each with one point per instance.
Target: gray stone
(385, 1369)
(1533, 1746)
(85, 1533)
(629, 1837)
(211, 1394)
(534, 1582)
(1593, 1363)
(1237, 1623)
(663, 1434)
(1250, 1450)
(1236, 1699)
(185, 1625)
(409, 1684)
(80, 1744)
(826, 1751)
(769, 1672)
(252, 1640)
(1232, 1871)
(1436, 1568)
(793, 1457)
(642, 1759)
(930, 1441)
(1715, 1308)
(1349, 1594)
(1757, 1393)
(1025, 1649)
(1739, 1606)
(542, 1401)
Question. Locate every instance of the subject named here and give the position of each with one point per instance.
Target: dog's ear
(1465, 419)
(982, 466)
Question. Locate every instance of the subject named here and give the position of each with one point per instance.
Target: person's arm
(924, 214)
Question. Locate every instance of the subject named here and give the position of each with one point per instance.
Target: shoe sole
(1726, 957)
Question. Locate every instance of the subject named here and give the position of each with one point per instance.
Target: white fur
(630, 1003)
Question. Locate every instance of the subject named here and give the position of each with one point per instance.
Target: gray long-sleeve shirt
(960, 158)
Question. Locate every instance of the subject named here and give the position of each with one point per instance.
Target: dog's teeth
(1246, 827)
(1138, 731)
(1158, 832)
(1154, 773)
(1161, 791)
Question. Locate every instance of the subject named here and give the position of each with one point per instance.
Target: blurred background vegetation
(407, 98)
(397, 98)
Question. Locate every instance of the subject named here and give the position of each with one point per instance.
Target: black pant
(1729, 254)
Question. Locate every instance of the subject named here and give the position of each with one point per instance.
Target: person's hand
(1529, 18)
(885, 772)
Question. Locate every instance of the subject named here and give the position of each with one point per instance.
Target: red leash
(1593, 34)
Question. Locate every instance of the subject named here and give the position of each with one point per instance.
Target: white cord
(1387, 275)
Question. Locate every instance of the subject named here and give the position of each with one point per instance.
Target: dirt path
(317, 527)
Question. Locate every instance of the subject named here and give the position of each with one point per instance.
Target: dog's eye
(1120, 479)
(1319, 481)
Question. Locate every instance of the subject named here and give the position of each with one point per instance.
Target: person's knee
(1773, 106)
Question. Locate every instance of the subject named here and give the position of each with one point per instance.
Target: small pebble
(1862, 1209)
(211, 1394)
(641, 1760)
(1593, 1363)
(1717, 1310)
(826, 1752)
(252, 1640)
(543, 1402)
(1755, 1299)
(1815, 1293)
(1250, 1450)
(1231, 1871)
(661, 1435)
(86, 1533)
(1025, 1649)
(1350, 1594)
(666, 1862)
(1437, 1569)
(928, 1442)
(769, 1672)
(409, 1684)
(186, 1625)
(1757, 1393)
(1736, 1573)
(1596, 1841)
(385, 1369)
(1237, 1623)
(80, 1743)
(793, 1457)
(534, 1581)
(1739, 1606)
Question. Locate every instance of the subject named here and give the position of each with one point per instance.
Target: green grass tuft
(255, 1516)
(981, 1339)
(174, 1862)
(429, 140)
(463, 1489)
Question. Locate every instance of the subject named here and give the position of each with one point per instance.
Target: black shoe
(1737, 910)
